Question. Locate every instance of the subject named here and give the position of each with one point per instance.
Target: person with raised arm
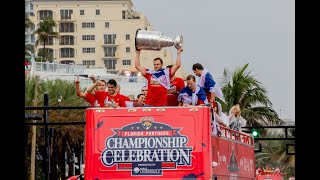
(158, 79)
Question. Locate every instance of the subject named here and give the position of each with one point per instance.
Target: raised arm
(176, 66)
(91, 88)
(137, 63)
(93, 79)
(78, 90)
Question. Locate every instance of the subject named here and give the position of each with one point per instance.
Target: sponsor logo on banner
(146, 148)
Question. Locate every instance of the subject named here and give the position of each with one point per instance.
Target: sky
(226, 34)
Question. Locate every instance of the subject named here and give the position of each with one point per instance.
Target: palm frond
(240, 87)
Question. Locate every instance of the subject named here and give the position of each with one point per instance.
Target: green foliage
(27, 23)
(274, 154)
(48, 52)
(65, 137)
(28, 49)
(240, 87)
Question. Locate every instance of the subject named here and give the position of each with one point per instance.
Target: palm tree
(243, 89)
(44, 32)
(27, 23)
(65, 137)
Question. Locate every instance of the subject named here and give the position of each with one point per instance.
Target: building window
(110, 51)
(44, 14)
(110, 63)
(32, 38)
(88, 50)
(81, 12)
(33, 27)
(27, 37)
(106, 24)
(97, 11)
(49, 52)
(89, 62)
(127, 49)
(110, 38)
(88, 37)
(126, 62)
(31, 6)
(127, 36)
(49, 41)
(66, 27)
(66, 52)
(66, 40)
(66, 13)
(88, 25)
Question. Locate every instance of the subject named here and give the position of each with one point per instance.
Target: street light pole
(46, 137)
(34, 133)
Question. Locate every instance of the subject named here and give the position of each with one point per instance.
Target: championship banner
(171, 143)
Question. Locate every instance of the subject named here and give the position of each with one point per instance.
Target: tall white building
(29, 37)
(97, 33)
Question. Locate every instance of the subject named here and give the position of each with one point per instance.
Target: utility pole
(34, 132)
(46, 137)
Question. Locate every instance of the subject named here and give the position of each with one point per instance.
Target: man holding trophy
(158, 78)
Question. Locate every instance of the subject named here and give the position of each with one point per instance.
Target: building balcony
(66, 19)
(116, 56)
(116, 43)
(112, 71)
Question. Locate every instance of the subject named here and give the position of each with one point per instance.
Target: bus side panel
(234, 159)
(148, 143)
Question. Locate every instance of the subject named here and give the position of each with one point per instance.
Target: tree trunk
(44, 50)
(34, 133)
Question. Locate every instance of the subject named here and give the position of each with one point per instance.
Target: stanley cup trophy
(154, 40)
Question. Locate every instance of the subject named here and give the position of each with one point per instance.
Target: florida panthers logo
(146, 122)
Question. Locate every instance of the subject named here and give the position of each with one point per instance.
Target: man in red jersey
(90, 98)
(110, 98)
(158, 79)
(176, 84)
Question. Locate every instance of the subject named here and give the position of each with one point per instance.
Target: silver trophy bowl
(154, 40)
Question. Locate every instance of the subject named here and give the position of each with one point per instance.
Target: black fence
(44, 117)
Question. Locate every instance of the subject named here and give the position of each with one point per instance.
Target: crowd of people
(165, 89)
(267, 170)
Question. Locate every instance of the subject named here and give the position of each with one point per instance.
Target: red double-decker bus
(163, 143)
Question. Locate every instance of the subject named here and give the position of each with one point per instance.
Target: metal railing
(59, 68)
(236, 135)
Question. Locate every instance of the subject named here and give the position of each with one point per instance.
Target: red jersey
(172, 94)
(105, 98)
(157, 94)
(124, 98)
(90, 98)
